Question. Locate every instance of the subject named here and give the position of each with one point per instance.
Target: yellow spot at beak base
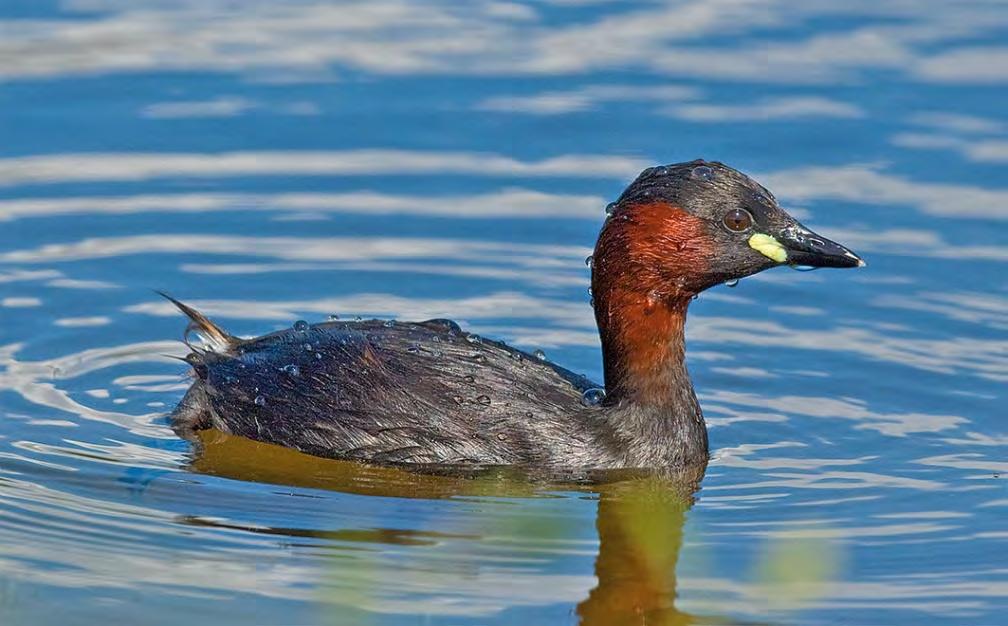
(768, 247)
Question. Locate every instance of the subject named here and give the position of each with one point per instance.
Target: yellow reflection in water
(796, 568)
(244, 459)
(640, 525)
(640, 531)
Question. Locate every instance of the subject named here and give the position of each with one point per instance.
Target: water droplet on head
(703, 172)
(661, 170)
(291, 369)
(539, 354)
(301, 326)
(484, 400)
(414, 348)
(307, 347)
(610, 208)
(732, 283)
(589, 261)
(593, 396)
(318, 356)
(473, 338)
(333, 317)
(516, 356)
(469, 379)
(260, 400)
(358, 319)
(458, 399)
(388, 323)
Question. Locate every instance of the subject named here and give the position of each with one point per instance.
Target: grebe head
(679, 229)
(675, 231)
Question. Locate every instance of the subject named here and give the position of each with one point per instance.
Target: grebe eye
(738, 220)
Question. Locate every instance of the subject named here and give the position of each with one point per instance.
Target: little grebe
(427, 393)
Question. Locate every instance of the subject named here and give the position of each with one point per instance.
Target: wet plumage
(391, 393)
(428, 393)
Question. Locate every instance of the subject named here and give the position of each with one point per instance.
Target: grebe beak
(796, 245)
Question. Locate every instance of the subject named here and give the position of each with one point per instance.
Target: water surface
(273, 161)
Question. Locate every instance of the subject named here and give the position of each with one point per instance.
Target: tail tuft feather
(214, 337)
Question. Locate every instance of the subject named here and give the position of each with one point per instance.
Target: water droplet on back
(260, 400)
(589, 261)
(484, 400)
(539, 354)
(473, 338)
(469, 379)
(703, 172)
(291, 369)
(610, 208)
(301, 326)
(333, 317)
(593, 396)
(388, 323)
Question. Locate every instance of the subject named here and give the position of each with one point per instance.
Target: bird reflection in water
(639, 521)
(640, 527)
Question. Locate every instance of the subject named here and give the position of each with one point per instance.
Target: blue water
(270, 161)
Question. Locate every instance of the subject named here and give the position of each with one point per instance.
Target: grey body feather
(415, 394)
